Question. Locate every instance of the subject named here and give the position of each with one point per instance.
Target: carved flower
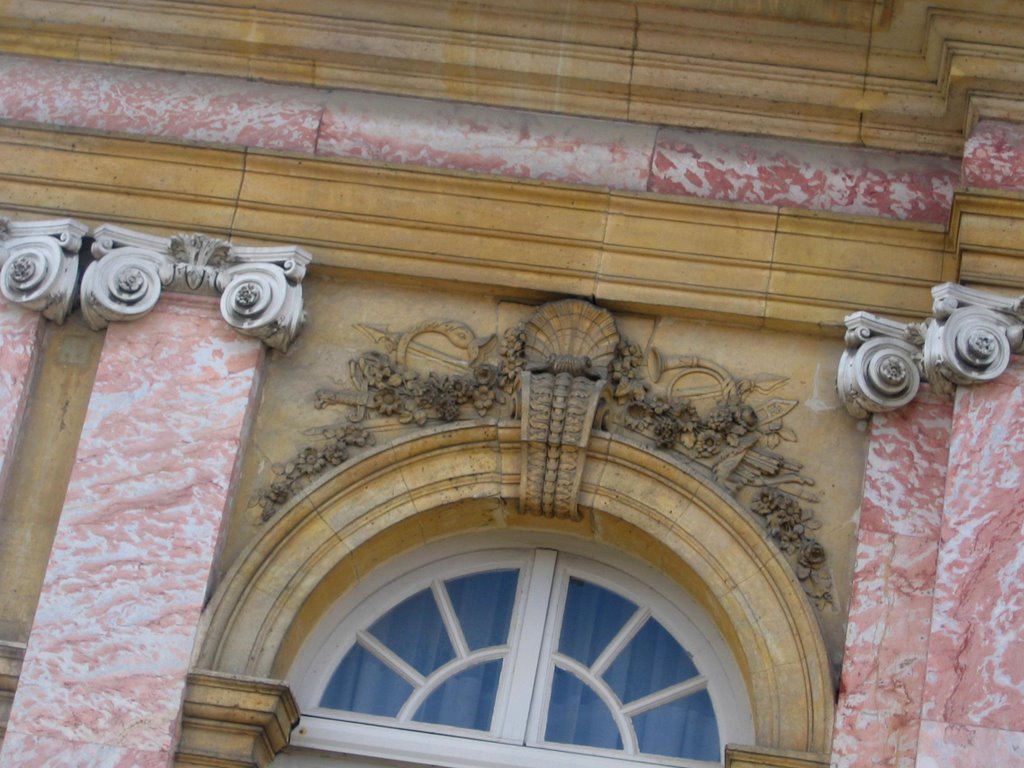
(811, 558)
(708, 443)
(386, 401)
(447, 407)
(486, 375)
(483, 399)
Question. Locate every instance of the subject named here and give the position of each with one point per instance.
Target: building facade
(491, 384)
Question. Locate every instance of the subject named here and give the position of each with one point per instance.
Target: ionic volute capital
(40, 264)
(968, 340)
(260, 288)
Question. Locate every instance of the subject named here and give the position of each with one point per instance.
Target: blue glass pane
(483, 602)
(652, 660)
(465, 700)
(593, 616)
(682, 728)
(414, 630)
(577, 716)
(362, 683)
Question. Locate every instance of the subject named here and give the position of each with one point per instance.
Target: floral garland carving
(732, 427)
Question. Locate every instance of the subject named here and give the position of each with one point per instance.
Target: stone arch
(451, 480)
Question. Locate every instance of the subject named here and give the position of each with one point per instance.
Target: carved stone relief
(968, 340)
(260, 288)
(40, 264)
(563, 373)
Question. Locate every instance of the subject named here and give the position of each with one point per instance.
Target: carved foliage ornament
(40, 264)
(968, 340)
(260, 288)
(563, 373)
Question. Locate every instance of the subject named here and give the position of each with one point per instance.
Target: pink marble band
(506, 142)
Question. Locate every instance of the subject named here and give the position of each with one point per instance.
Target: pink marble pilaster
(882, 685)
(747, 169)
(20, 332)
(994, 156)
(107, 656)
(975, 675)
(479, 139)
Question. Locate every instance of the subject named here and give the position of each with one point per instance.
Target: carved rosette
(568, 346)
(260, 288)
(40, 264)
(968, 340)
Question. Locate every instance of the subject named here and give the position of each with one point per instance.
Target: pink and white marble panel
(959, 746)
(112, 637)
(804, 175)
(882, 684)
(905, 474)
(20, 332)
(479, 139)
(215, 110)
(994, 156)
(975, 665)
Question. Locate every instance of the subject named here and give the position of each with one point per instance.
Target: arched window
(520, 657)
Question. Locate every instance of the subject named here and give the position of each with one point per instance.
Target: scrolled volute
(40, 264)
(880, 369)
(969, 340)
(260, 288)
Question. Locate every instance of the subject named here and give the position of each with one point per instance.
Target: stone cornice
(909, 76)
(755, 265)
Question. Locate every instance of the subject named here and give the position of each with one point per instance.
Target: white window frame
(516, 715)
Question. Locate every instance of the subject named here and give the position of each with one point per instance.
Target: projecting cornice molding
(968, 340)
(260, 288)
(40, 264)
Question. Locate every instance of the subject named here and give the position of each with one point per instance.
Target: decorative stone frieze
(563, 373)
(968, 340)
(260, 288)
(40, 264)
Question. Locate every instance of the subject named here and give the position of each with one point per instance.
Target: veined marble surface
(20, 330)
(106, 661)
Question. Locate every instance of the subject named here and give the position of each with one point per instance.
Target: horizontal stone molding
(260, 288)
(968, 340)
(754, 265)
(39, 264)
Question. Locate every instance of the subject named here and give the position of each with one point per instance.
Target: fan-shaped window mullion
(620, 641)
(389, 658)
(451, 620)
(439, 676)
(607, 697)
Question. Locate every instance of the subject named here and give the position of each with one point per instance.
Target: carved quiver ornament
(260, 289)
(40, 264)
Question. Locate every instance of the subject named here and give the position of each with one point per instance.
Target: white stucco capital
(260, 288)
(39, 264)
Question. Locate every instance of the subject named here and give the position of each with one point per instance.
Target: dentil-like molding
(40, 264)
(260, 289)
(968, 340)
